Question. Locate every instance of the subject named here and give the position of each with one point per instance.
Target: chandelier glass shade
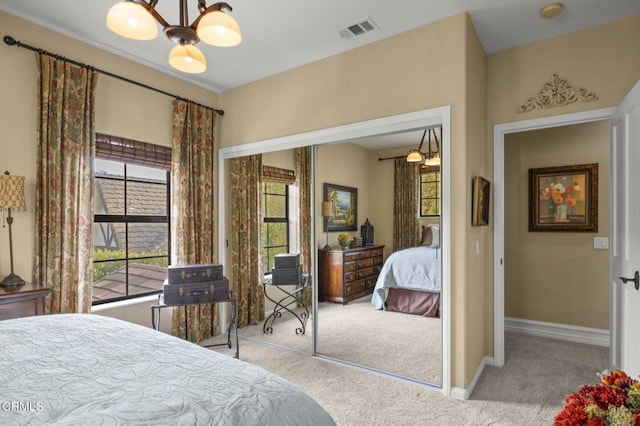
(414, 156)
(138, 20)
(187, 58)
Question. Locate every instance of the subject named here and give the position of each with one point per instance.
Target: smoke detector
(358, 28)
(551, 10)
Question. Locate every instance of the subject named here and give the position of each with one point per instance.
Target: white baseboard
(464, 394)
(572, 333)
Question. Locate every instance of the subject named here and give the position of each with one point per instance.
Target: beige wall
(550, 276)
(477, 255)
(121, 109)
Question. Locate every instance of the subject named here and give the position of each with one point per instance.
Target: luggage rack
(290, 298)
(233, 325)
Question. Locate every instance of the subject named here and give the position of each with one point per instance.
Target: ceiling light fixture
(136, 19)
(431, 158)
(551, 10)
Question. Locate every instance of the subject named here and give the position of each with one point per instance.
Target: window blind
(132, 151)
(276, 174)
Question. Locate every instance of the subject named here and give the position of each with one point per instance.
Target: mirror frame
(345, 133)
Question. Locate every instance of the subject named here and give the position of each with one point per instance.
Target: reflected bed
(410, 280)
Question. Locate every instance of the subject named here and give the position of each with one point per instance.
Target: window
(131, 224)
(275, 204)
(430, 191)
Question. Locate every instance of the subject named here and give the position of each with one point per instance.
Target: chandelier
(431, 158)
(136, 19)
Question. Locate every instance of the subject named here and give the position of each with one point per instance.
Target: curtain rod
(392, 158)
(10, 41)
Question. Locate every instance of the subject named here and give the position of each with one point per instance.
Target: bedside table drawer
(25, 308)
(24, 301)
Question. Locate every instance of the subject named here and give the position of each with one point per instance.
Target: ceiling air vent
(362, 26)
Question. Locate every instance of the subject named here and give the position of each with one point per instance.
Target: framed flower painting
(563, 199)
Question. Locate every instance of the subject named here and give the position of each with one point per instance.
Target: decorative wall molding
(556, 92)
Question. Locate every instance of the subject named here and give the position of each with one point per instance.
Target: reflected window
(131, 228)
(275, 204)
(430, 191)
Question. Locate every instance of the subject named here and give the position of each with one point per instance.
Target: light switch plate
(601, 243)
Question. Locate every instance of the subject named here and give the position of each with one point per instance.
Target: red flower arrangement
(613, 401)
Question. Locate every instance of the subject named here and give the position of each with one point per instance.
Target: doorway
(500, 131)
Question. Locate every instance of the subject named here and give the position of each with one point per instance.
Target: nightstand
(22, 301)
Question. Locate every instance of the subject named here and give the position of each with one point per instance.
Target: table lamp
(327, 212)
(11, 197)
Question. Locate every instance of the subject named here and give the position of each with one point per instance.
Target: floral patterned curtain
(246, 238)
(405, 204)
(303, 174)
(193, 211)
(63, 258)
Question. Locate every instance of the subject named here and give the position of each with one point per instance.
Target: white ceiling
(282, 34)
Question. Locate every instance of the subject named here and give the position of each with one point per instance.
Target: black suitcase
(287, 260)
(178, 274)
(195, 293)
(286, 276)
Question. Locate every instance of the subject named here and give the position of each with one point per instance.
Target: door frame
(344, 133)
(499, 133)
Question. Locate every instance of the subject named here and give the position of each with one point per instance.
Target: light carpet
(528, 390)
(402, 344)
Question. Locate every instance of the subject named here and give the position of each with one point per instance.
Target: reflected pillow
(430, 236)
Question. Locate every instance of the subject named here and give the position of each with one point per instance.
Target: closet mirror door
(359, 181)
(263, 195)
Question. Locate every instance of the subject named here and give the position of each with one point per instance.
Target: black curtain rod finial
(10, 41)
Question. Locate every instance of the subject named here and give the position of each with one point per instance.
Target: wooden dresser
(22, 301)
(348, 274)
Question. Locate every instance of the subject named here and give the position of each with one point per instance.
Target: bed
(89, 369)
(410, 279)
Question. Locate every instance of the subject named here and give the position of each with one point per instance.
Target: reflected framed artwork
(481, 193)
(563, 199)
(345, 208)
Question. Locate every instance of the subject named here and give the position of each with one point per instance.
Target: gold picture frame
(481, 194)
(563, 199)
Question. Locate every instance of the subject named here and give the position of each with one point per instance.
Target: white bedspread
(416, 268)
(78, 369)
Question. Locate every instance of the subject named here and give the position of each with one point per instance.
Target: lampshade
(414, 156)
(12, 192)
(327, 209)
(131, 20)
(219, 29)
(187, 58)
(433, 160)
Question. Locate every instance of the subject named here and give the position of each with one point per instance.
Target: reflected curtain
(405, 204)
(63, 258)
(246, 238)
(303, 179)
(192, 208)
